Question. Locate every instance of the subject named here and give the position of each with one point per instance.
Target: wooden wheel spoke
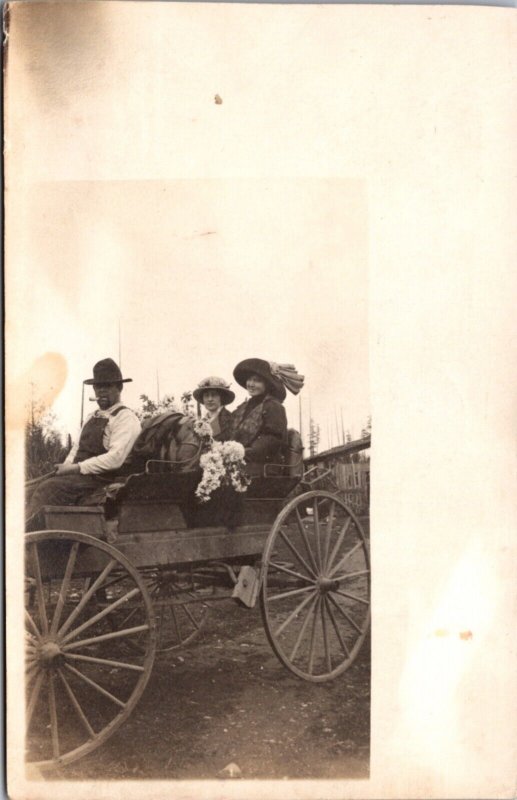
(75, 703)
(345, 615)
(105, 637)
(30, 655)
(32, 625)
(30, 674)
(34, 696)
(313, 635)
(64, 587)
(325, 634)
(175, 622)
(352, 597)
(95, 686)
(344, 559)
(205, 603)
(291, 593)
(348, 575)
(293, 614)
(86, 596)
(299, 575)
(335, 549)
(342, 642)
(191, 617)
(328, 533)
(298, 555)
(303, 628)
(104, 662)
(183, 601)
(303, 533)
(53, 717)
(317, 532)
(101, 614)
(39, 589)
(192, 594)
(113, 581)
(129, 616)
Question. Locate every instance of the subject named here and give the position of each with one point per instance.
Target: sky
(185, 234)
(184, 279)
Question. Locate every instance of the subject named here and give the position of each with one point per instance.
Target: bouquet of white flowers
(203, 429)
(223, 465)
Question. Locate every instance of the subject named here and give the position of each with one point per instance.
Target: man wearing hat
(105, 442)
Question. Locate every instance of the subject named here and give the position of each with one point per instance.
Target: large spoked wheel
(81, 683)
(180, 606)
(315, 591)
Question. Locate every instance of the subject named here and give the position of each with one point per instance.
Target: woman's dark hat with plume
(278, 377)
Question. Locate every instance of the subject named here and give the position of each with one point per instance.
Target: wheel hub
(327, 585)
(48, 653)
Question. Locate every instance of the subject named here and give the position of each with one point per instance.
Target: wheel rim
(180, 607)
(81, 682)
(315, 591)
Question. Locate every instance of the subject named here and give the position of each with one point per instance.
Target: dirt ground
(226, 698)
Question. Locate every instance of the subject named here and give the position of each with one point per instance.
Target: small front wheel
(315, 591)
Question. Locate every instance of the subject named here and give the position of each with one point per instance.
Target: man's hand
(67, 469)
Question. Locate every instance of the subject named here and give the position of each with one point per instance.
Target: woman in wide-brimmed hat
(215, 393)
(260, 423)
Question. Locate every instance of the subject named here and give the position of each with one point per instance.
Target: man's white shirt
(118, 438)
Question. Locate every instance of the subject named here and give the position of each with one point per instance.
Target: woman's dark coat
(260, 424)
(222, 426)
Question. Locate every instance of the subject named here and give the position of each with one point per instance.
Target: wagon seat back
(291, 461)
(278, 479)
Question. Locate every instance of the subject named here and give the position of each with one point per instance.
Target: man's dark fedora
(257, 366)
(106, 371)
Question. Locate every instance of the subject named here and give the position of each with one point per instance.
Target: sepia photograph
(260, 396)
(203, 535)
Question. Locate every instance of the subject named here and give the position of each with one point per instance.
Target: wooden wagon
(110, 587)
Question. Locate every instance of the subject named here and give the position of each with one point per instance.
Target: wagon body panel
(146, 517)
(156, 534)
(81, 519)
(163, 548)
(192, 545)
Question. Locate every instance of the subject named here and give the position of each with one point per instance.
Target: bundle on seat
(167, 443)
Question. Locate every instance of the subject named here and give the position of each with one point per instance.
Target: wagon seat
(166, 493)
